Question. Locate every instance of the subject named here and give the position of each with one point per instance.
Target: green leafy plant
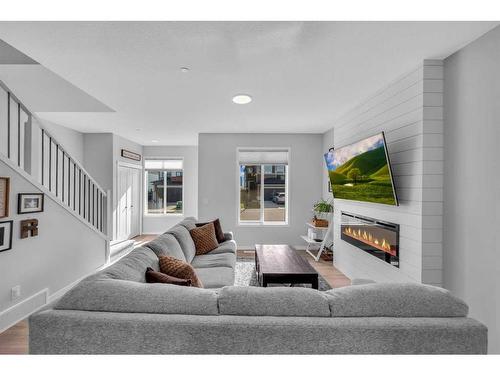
(323, 206)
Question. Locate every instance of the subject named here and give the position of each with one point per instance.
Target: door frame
(141, 193)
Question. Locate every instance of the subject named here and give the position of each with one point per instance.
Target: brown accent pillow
(219, 233)
(178, 268)
(204, 238)
(158, 277)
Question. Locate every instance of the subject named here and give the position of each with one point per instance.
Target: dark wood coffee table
(282, 265)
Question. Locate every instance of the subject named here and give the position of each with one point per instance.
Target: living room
(249, 187)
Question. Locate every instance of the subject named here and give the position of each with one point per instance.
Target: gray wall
(64, 251)
(471, 180)
(189, 154)
(102, 153)
(71, 140)
(409, 111)
(218, 183)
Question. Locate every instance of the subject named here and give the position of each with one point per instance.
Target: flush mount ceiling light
(184, 69)
(242, 99)
(155, 141)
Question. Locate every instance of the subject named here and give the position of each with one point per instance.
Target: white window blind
(271, 156)
(163, 164)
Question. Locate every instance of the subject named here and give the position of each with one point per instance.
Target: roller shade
(263, 156)
(163, 164)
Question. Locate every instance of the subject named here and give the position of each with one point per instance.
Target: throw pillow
(158, 277)
(178, 268)
(219, 233)
(204, 238)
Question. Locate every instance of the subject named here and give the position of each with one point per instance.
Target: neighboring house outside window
(263, 190)
(164, 186)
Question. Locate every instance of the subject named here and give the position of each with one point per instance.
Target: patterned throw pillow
(204, 238)
(158, 277)
(219, 233)
(178, 268)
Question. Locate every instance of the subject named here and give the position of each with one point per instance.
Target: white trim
(23, 309)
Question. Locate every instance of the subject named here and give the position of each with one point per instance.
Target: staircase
(30, 149)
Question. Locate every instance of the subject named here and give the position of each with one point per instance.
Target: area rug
(245, 276)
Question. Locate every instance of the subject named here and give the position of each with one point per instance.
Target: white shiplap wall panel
(410, 112)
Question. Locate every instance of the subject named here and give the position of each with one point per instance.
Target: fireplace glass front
(376, 237)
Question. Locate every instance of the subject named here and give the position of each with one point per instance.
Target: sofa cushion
(215, 277)
(131, 267)
(180, 269)
(133, 297)
(225, 247)
(219, 233)
(166, 244)
(153, 277)
(188, 223)
(275, 301)
(182, 236)
(204, 238)
(394, 300)
(214, 260)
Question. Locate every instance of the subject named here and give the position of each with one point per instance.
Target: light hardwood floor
(15, 339)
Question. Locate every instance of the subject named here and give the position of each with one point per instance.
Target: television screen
(362, 172)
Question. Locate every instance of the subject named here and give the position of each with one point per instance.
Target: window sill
(257, 224)
(163, 215)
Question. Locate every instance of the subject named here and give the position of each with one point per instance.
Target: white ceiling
(301, 75)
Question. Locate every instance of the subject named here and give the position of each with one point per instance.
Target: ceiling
(301, 75)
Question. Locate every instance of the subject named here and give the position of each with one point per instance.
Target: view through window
(263, 193)
(164, 186)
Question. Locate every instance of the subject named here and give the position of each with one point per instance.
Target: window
(263, 177)
(164, 182)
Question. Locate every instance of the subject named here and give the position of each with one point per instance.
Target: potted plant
(321, 210)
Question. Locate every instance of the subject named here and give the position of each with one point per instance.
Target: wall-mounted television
(361, 171)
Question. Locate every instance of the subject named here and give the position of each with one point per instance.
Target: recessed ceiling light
(184, 69)
(242, 99)
(155, 141)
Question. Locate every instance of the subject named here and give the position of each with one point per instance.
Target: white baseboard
(23, 309)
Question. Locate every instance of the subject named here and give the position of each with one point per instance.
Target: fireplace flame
(368, 238)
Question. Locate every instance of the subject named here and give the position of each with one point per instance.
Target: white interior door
(135, 208)
(128, 207)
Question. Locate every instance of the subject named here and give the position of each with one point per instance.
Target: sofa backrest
(395, 300)
(166, 244)
(134, 297)
(183, 236)
(131, 267)
(275, 301)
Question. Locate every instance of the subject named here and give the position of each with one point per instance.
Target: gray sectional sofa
(115, 312)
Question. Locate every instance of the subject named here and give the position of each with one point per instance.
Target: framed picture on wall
(5, 235)
(130, 155)
(4, 196)
(29, 203)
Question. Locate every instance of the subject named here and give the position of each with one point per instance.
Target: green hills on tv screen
(361, 172)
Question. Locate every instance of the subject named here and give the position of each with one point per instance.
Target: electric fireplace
(376, 237)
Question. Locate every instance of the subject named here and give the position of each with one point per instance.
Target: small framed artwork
(130, 155)
(5, 235)
(4, 196)
(30, 203)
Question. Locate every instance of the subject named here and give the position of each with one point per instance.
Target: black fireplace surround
(376, 237)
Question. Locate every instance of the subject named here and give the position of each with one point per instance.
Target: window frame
(261, 222)
(164, 171)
